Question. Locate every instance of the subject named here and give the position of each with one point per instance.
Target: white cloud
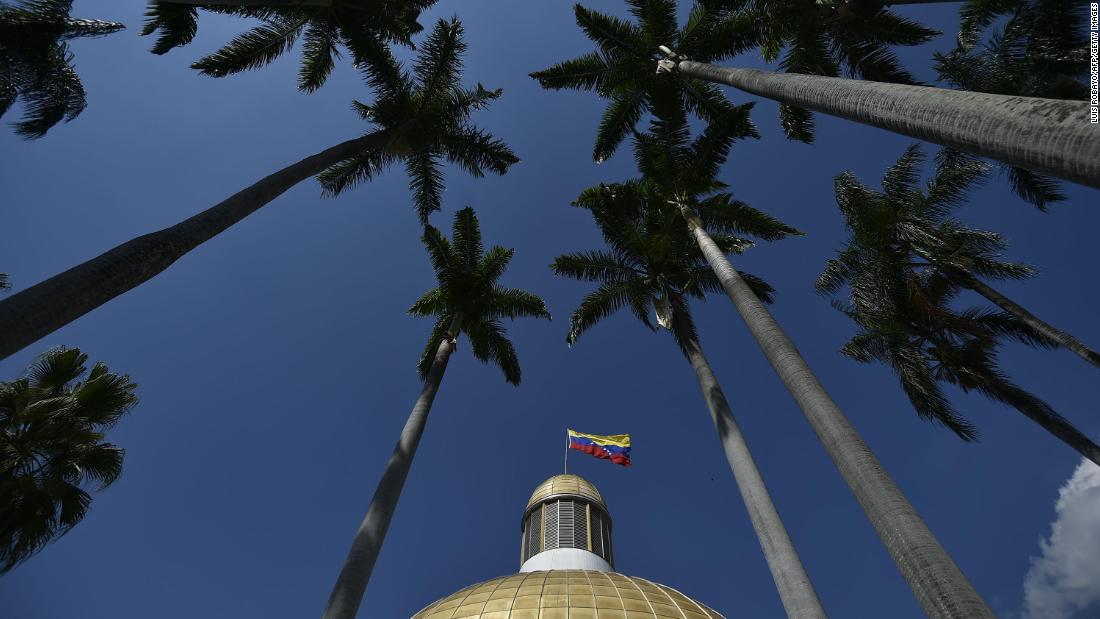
(1064, 582)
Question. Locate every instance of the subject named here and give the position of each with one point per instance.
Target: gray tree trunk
(940, 587)
(45, 307)
(1047, 136)
(1031, 320)
(346, 596)
(795, 589)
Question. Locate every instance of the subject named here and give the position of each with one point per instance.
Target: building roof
(566, 485)
(567, 594)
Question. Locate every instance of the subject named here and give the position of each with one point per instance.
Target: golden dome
(567, 594)
(566, 485)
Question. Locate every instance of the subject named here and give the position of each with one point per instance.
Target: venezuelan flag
(615, 447)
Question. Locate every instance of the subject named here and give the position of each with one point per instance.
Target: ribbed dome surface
(567, 594)
(566, 485)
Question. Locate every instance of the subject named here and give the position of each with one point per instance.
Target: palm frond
(426, 183)
(253, 49)
(491, 345)
(594, 266)
(431, 303)
(476, 151)
(440, 252)
(622, 114)
(900, 179)
(466, 236)
(514, 303)
(611, 34)
(467, 298)
(494, 263)
(1035, 188)
(178, 24)
(588, 72)
(56, 94)
(920, 385)
(956, 173)
(361, 168)
(601, 303)
(59, 448)
(797, 123)
(723, 214)
(319, 54)
(439, 63)
(438, 334)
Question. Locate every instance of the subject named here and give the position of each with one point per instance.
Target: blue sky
(276, 364)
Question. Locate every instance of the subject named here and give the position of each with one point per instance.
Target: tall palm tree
(907, 324)
(621, 68)
(681, 168)
(1045, 136)
(4, 285)
(52, 451)
(651, 262)
(467, 299)
(37, 66)
(364, 28)
(1041, 51)
(419, 119)
(265, 3)
(904, 262)
(821, 38)
(915, 229)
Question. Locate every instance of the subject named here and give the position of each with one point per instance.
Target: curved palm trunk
(1047, 136)
(1031, 320)
(45, 307)
(1037, 411)
(940, 587)
(795, 589)
(346, 596)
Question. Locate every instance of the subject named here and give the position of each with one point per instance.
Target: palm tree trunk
(940, 587)
(1041, 413)
(45, 307)
(795, 589)
(1047, 136)
(1031, 320)
(346, 596)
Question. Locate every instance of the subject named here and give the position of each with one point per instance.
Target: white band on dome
(565, 559)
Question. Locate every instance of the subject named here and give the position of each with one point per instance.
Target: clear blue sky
(276, 364)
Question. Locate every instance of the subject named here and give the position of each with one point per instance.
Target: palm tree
(419, 119)
(905, 261)
(4, 285)
(364, 28)
(907, 324)
(1045, 136)
(821, 37)
(52, 450)
(621, 68)
(1041, 51)
(467, 300)
(37, 66)
(652, 262)
(915, 229)
(265, 3)
(681, 169)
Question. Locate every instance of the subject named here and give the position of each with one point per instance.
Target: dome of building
(566, 485)
(566, 569)
(567, 594)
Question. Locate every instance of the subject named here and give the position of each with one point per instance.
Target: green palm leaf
(468, 298)
(52, 424)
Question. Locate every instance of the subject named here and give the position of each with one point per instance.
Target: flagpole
(567, 453)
